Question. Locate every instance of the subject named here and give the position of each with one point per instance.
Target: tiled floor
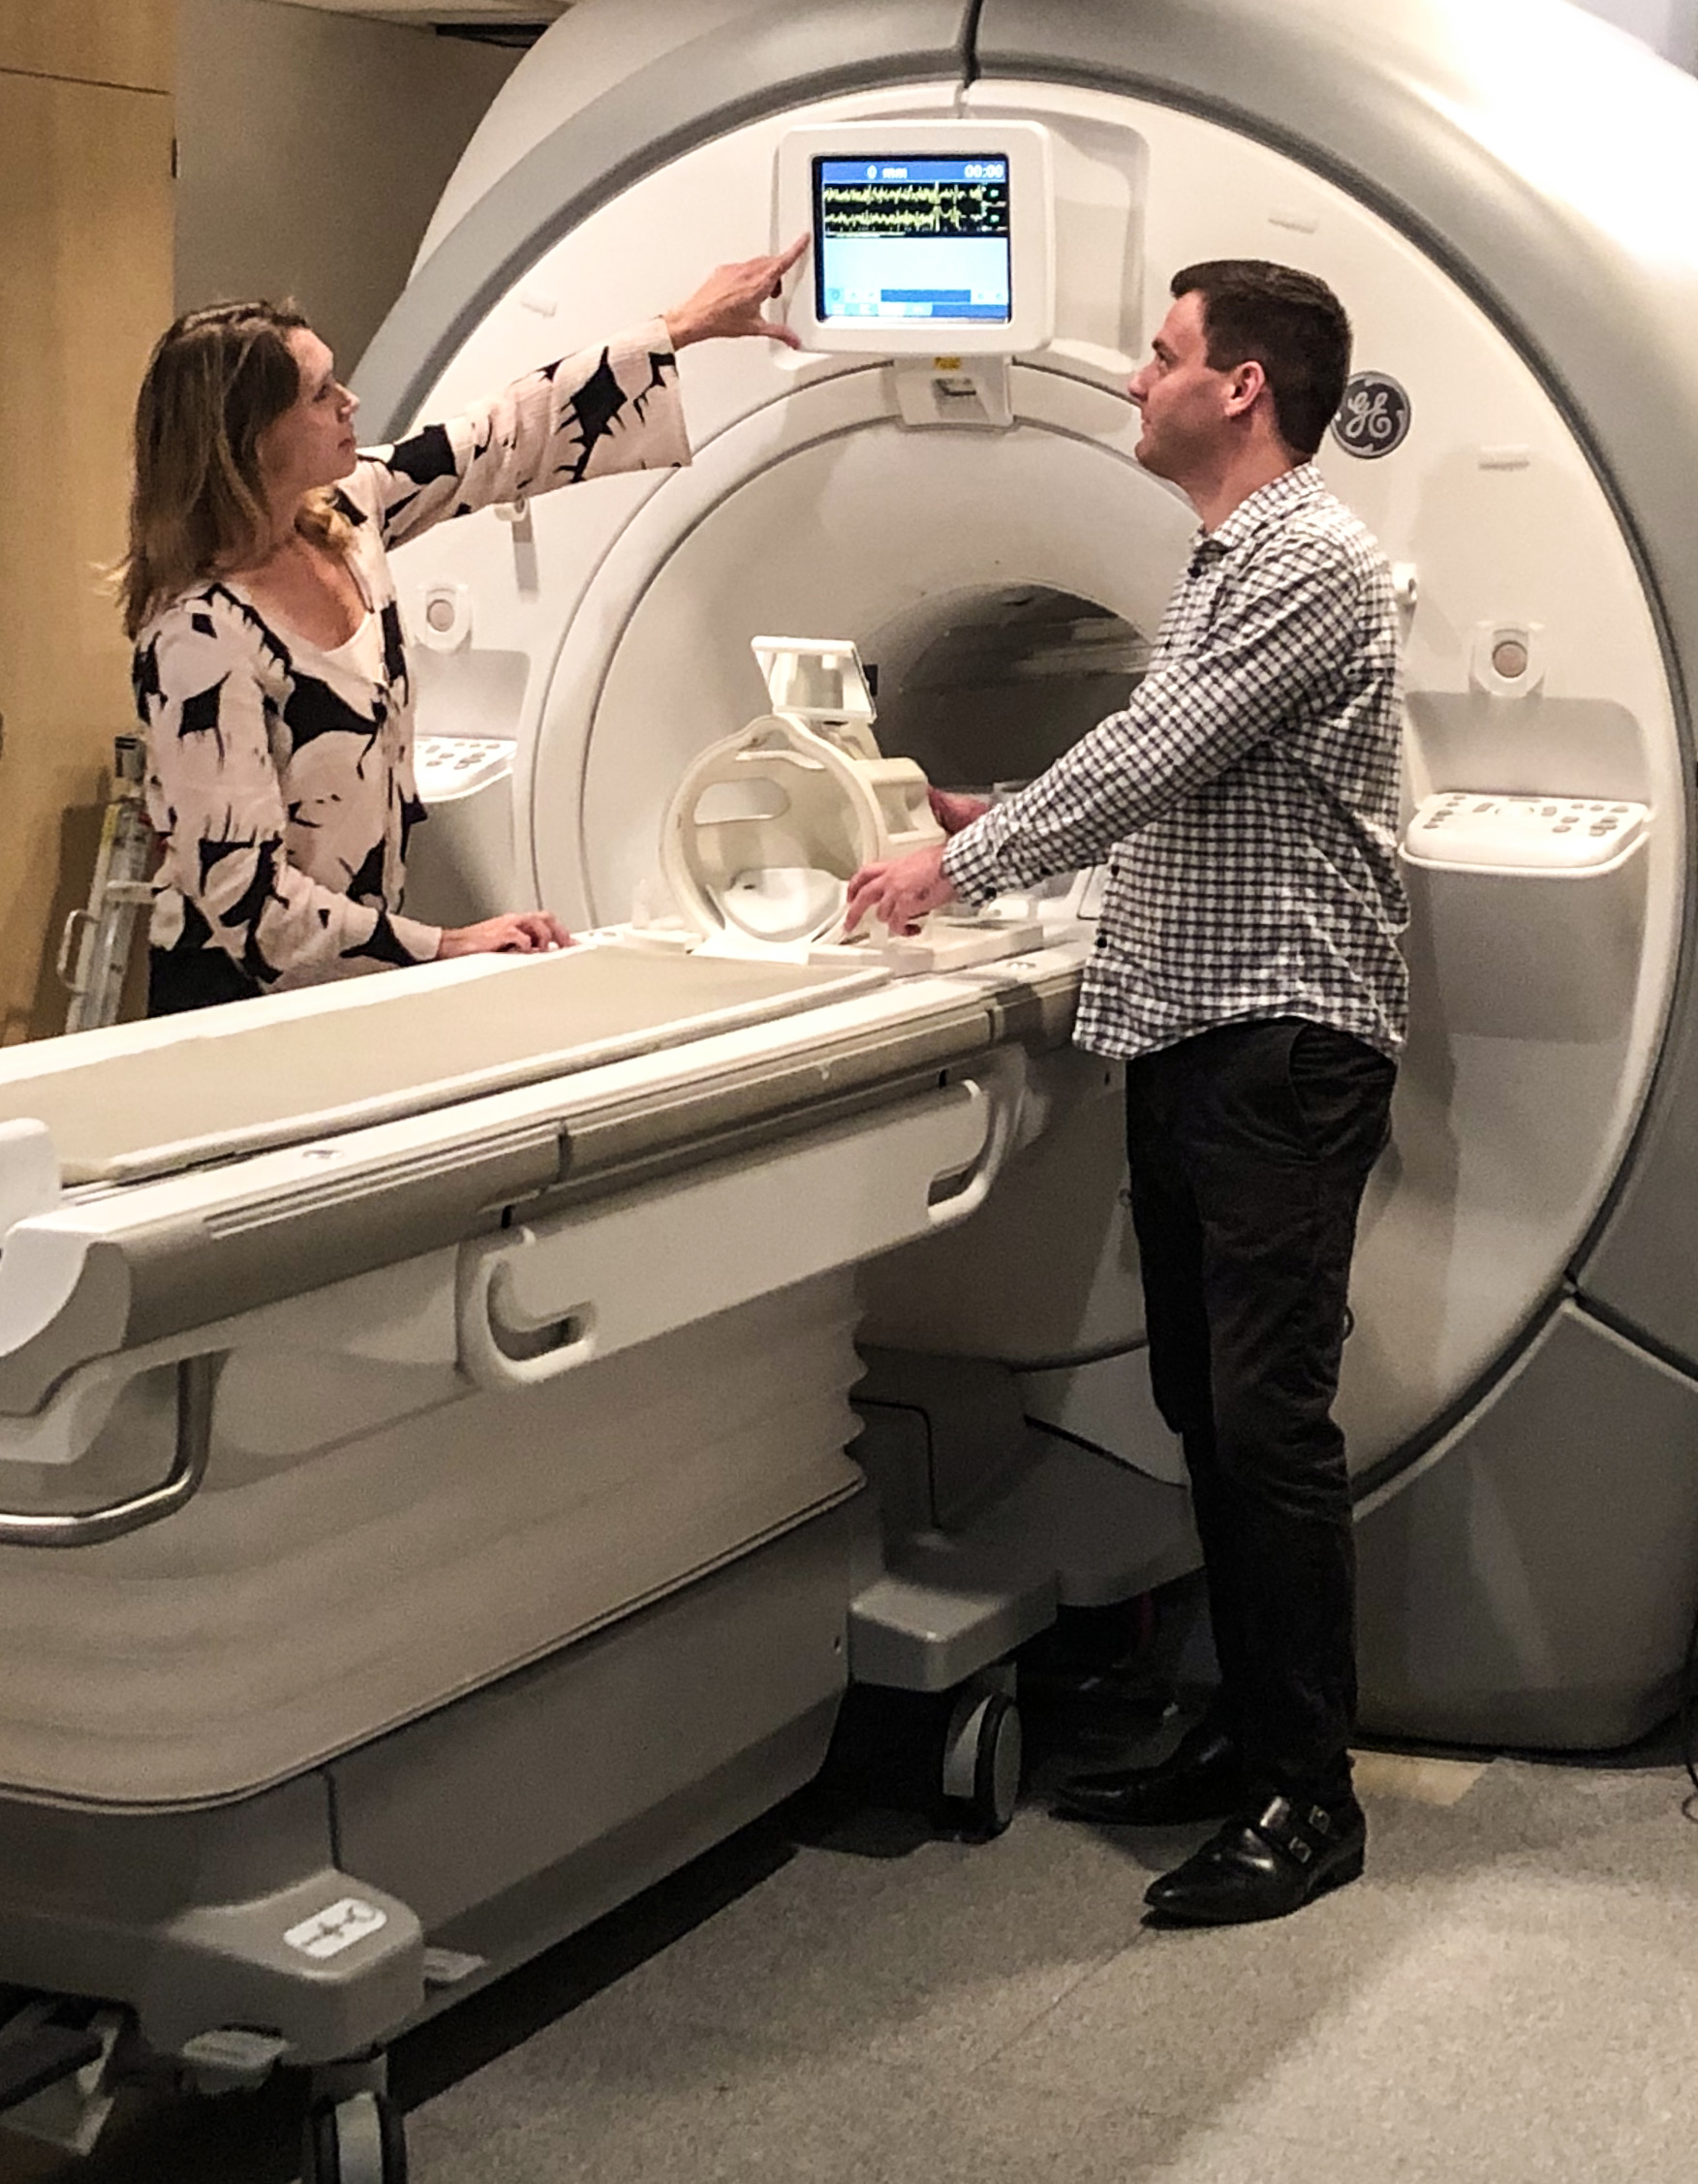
(1510, 1996)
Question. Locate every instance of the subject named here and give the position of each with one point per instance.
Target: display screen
(912, 239)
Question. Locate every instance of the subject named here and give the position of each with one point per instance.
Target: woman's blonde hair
(215, 381)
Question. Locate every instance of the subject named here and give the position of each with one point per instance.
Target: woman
(270, 673)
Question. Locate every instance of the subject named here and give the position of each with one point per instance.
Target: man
(1247, 968)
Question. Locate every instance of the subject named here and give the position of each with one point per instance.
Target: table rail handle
(1000, 1083)
(197, 1385)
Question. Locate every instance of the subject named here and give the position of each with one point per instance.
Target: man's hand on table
(900, 891)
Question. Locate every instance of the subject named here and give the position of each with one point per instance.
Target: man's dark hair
(1288, 322)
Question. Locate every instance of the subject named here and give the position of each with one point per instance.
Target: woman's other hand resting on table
(516, 933)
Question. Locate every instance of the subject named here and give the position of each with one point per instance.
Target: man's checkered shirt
(1246, 799)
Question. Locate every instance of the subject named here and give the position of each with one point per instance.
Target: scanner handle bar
(197, 1381)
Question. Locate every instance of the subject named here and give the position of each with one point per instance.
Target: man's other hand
(900, 891)
(952, 810)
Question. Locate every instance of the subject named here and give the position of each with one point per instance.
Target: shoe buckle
(1320, 1820)
(1282, 1827)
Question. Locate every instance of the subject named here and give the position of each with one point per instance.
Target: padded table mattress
(262, 1073)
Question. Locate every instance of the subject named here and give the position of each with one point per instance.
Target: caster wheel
(982, 1753)
(360, 2140)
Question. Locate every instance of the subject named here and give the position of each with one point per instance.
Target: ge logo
(1374, 417)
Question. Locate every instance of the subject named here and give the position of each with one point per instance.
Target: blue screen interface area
(912, 239)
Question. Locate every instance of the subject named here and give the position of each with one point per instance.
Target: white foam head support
(768, 826)
(30, 1172)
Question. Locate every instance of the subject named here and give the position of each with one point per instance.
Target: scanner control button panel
(1550, 834)
(448, 765)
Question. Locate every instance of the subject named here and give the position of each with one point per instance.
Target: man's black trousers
(1250, 1146)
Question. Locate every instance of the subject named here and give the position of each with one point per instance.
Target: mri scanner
(425, 1404)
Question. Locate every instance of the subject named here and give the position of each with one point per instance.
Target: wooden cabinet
(85, 289)
(127, 42)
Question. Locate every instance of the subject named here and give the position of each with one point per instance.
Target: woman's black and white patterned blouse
(281, 774)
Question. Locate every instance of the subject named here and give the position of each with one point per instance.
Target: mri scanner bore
(507, 1397)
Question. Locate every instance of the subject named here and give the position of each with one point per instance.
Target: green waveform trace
(914, 208)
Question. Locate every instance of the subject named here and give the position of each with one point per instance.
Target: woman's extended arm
(590, 415)
(602, 409)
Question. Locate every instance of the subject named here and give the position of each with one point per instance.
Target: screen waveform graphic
(912, 238)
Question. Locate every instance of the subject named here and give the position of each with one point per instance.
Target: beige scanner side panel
(334, 1580)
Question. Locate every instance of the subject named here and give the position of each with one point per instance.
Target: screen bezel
(1025, 146)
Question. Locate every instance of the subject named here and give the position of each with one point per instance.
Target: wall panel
(117, 42)
(85, 287)
(314, 148)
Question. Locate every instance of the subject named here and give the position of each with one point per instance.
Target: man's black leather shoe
(1202, 1779)
(1273, 1863)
